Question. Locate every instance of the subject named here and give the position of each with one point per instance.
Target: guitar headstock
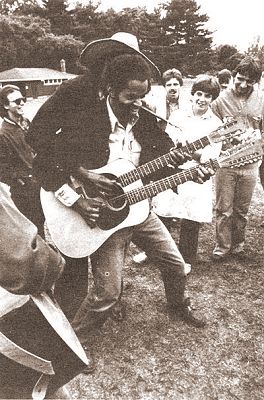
(242, 154)
(227, 131)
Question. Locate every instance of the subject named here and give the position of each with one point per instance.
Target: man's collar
(112, 117)
(9, 121)
(23, 123)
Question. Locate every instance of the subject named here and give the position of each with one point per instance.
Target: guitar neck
(160, 162)
(170, 182)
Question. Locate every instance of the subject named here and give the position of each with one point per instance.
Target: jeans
(234, 190)
(188, 241)
(71, 287)
(107, 263)
(261, 173)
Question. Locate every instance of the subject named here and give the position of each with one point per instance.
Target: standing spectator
(193, 203)
(225, 78)
(16, 156)
(235, 186)
(165, 104)
(172, 81)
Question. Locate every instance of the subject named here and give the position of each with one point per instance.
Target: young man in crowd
(235, 186)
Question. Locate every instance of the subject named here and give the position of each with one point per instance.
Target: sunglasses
(19, 101)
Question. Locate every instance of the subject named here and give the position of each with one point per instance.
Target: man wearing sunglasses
(16, 156)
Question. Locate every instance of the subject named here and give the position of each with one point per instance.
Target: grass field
(149, 357)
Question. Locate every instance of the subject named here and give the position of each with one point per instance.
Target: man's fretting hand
(204, 174)
(179, 157)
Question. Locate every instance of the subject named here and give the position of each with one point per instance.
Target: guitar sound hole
(116, 211)
(117, 203)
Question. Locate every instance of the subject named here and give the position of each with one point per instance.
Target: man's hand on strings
(89, 209)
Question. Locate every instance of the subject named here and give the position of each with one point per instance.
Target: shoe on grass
(185, 313)
(118, 312)
(91, 367)
(217, 258)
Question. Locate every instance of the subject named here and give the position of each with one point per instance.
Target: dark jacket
(72, 129)
(16, 156)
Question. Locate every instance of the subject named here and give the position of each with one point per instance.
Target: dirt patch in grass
(150, 357)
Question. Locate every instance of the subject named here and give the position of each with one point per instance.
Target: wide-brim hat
(99, 51)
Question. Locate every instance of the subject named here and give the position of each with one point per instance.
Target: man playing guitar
(86, 124)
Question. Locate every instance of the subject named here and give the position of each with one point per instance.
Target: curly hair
(250, 68)
(121, 69)
(207, 84)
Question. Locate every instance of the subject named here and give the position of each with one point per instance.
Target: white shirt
(193, 201)
(122, 143)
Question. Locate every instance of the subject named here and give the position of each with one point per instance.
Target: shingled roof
(33, 74)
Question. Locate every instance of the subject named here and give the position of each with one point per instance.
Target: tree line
(173, 35)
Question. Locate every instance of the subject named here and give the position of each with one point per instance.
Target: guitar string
(182, 175)
(154, 165)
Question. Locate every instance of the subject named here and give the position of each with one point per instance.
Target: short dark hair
(4, 92)
(122, 69)
(250, 68)
(207, 84)
(172, 73)
(224, 76)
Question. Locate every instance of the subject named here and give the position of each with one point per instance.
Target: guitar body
(69, 231)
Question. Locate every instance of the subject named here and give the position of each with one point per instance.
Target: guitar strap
(55, 317)
(16, 353)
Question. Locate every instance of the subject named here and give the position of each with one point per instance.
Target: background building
(34, 82)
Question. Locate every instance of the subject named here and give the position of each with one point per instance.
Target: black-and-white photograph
(131, 199)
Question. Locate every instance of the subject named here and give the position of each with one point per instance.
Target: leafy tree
(50, 49)
(89, 24)
(60, 18)
(185, 38)
(256, 50)
(9, 6)
(28, 42)
(174, 35)
(18, 39)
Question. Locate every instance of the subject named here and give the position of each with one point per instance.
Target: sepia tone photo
(131, 199)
